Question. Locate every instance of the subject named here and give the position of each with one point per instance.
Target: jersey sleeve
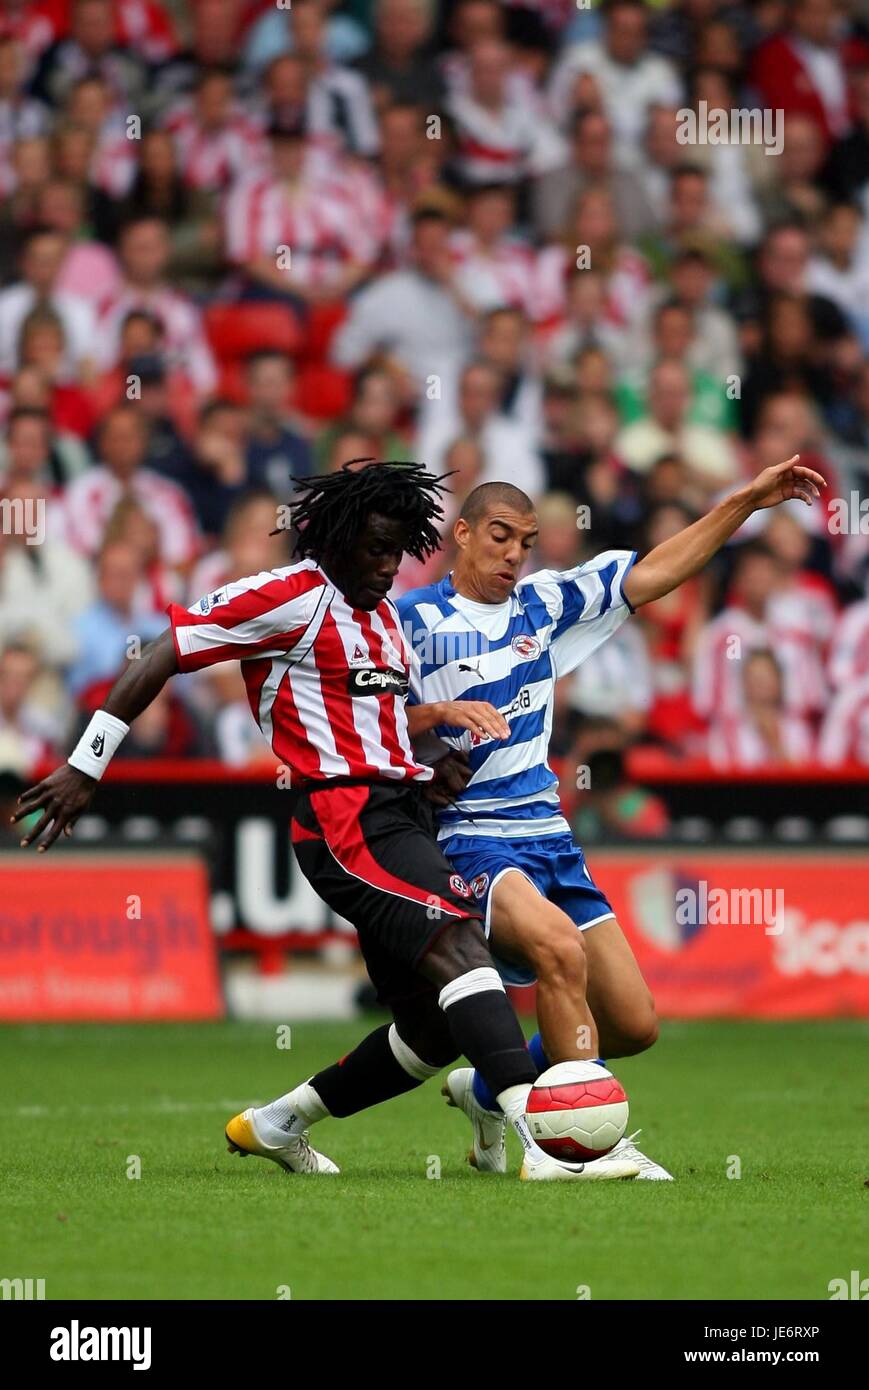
(586, 604)
(264, 615)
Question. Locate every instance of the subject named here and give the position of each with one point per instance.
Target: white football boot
(489, 1154)
(627, 1149)
(539, 1167)
(295, 1155)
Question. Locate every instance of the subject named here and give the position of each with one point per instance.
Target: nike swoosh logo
(98, 745)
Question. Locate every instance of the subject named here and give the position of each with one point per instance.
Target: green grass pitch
(788, 1101)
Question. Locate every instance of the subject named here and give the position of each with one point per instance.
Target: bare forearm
(686, 554)
(476, 715)
(143, 679)
(422, 718)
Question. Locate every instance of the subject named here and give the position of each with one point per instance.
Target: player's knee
(431, 1042)
(557, 953)
(640, 1030)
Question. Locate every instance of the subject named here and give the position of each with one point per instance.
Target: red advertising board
(104, 937)
(759, 934)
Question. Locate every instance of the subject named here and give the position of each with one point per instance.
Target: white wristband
(98, 744)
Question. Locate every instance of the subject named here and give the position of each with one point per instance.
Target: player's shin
(382, 1066)
(486, 1029)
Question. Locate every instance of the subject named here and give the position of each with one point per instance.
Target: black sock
(367, 1076)
(486, 1029)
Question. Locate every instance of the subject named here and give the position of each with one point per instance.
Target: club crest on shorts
(526, 647)
(479, 885)
(458, 885)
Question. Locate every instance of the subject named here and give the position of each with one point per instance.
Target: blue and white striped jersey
(511, 654)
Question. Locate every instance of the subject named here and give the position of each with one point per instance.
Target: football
(577, 1111)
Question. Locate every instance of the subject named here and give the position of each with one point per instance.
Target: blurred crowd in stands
(241, 241)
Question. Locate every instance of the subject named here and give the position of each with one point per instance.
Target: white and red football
(577, 1111)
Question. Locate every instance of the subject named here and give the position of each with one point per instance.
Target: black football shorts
(369, 851)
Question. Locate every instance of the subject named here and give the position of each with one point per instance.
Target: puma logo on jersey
(466, 666)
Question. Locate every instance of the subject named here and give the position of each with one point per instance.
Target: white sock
(513, 1102)
(290, 1115)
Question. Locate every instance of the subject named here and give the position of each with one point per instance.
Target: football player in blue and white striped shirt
(482, 634)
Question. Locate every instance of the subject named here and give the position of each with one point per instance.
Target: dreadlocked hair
(335, 507)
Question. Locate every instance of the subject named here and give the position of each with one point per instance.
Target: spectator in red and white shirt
(35, 24)
(849, 658)
(593, 241)
(216, 141)
(845, 731)
(144, 249)
(142, 25)
(804, 609)
(762, 733)
(740, 628)
(91, 500)
(494, 268)
(145, 27)
(295, 230)
(501, 135)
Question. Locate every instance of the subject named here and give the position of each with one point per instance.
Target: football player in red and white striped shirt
(327, 667)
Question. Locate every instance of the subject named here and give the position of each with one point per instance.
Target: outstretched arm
(66, 792)
(684, 555)
(477, 715)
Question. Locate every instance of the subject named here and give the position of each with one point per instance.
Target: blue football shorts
(556, 866)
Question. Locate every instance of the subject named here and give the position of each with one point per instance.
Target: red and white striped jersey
(504, 146)
(91, 498)
(326, 682)
(186, 346)
(628, 293)
(114, 162)
(505, 274)
(849, 659)
(787, 631)
(214, 159)
(145, 26)
(319, 223)
(736, 742)
(845, 730)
